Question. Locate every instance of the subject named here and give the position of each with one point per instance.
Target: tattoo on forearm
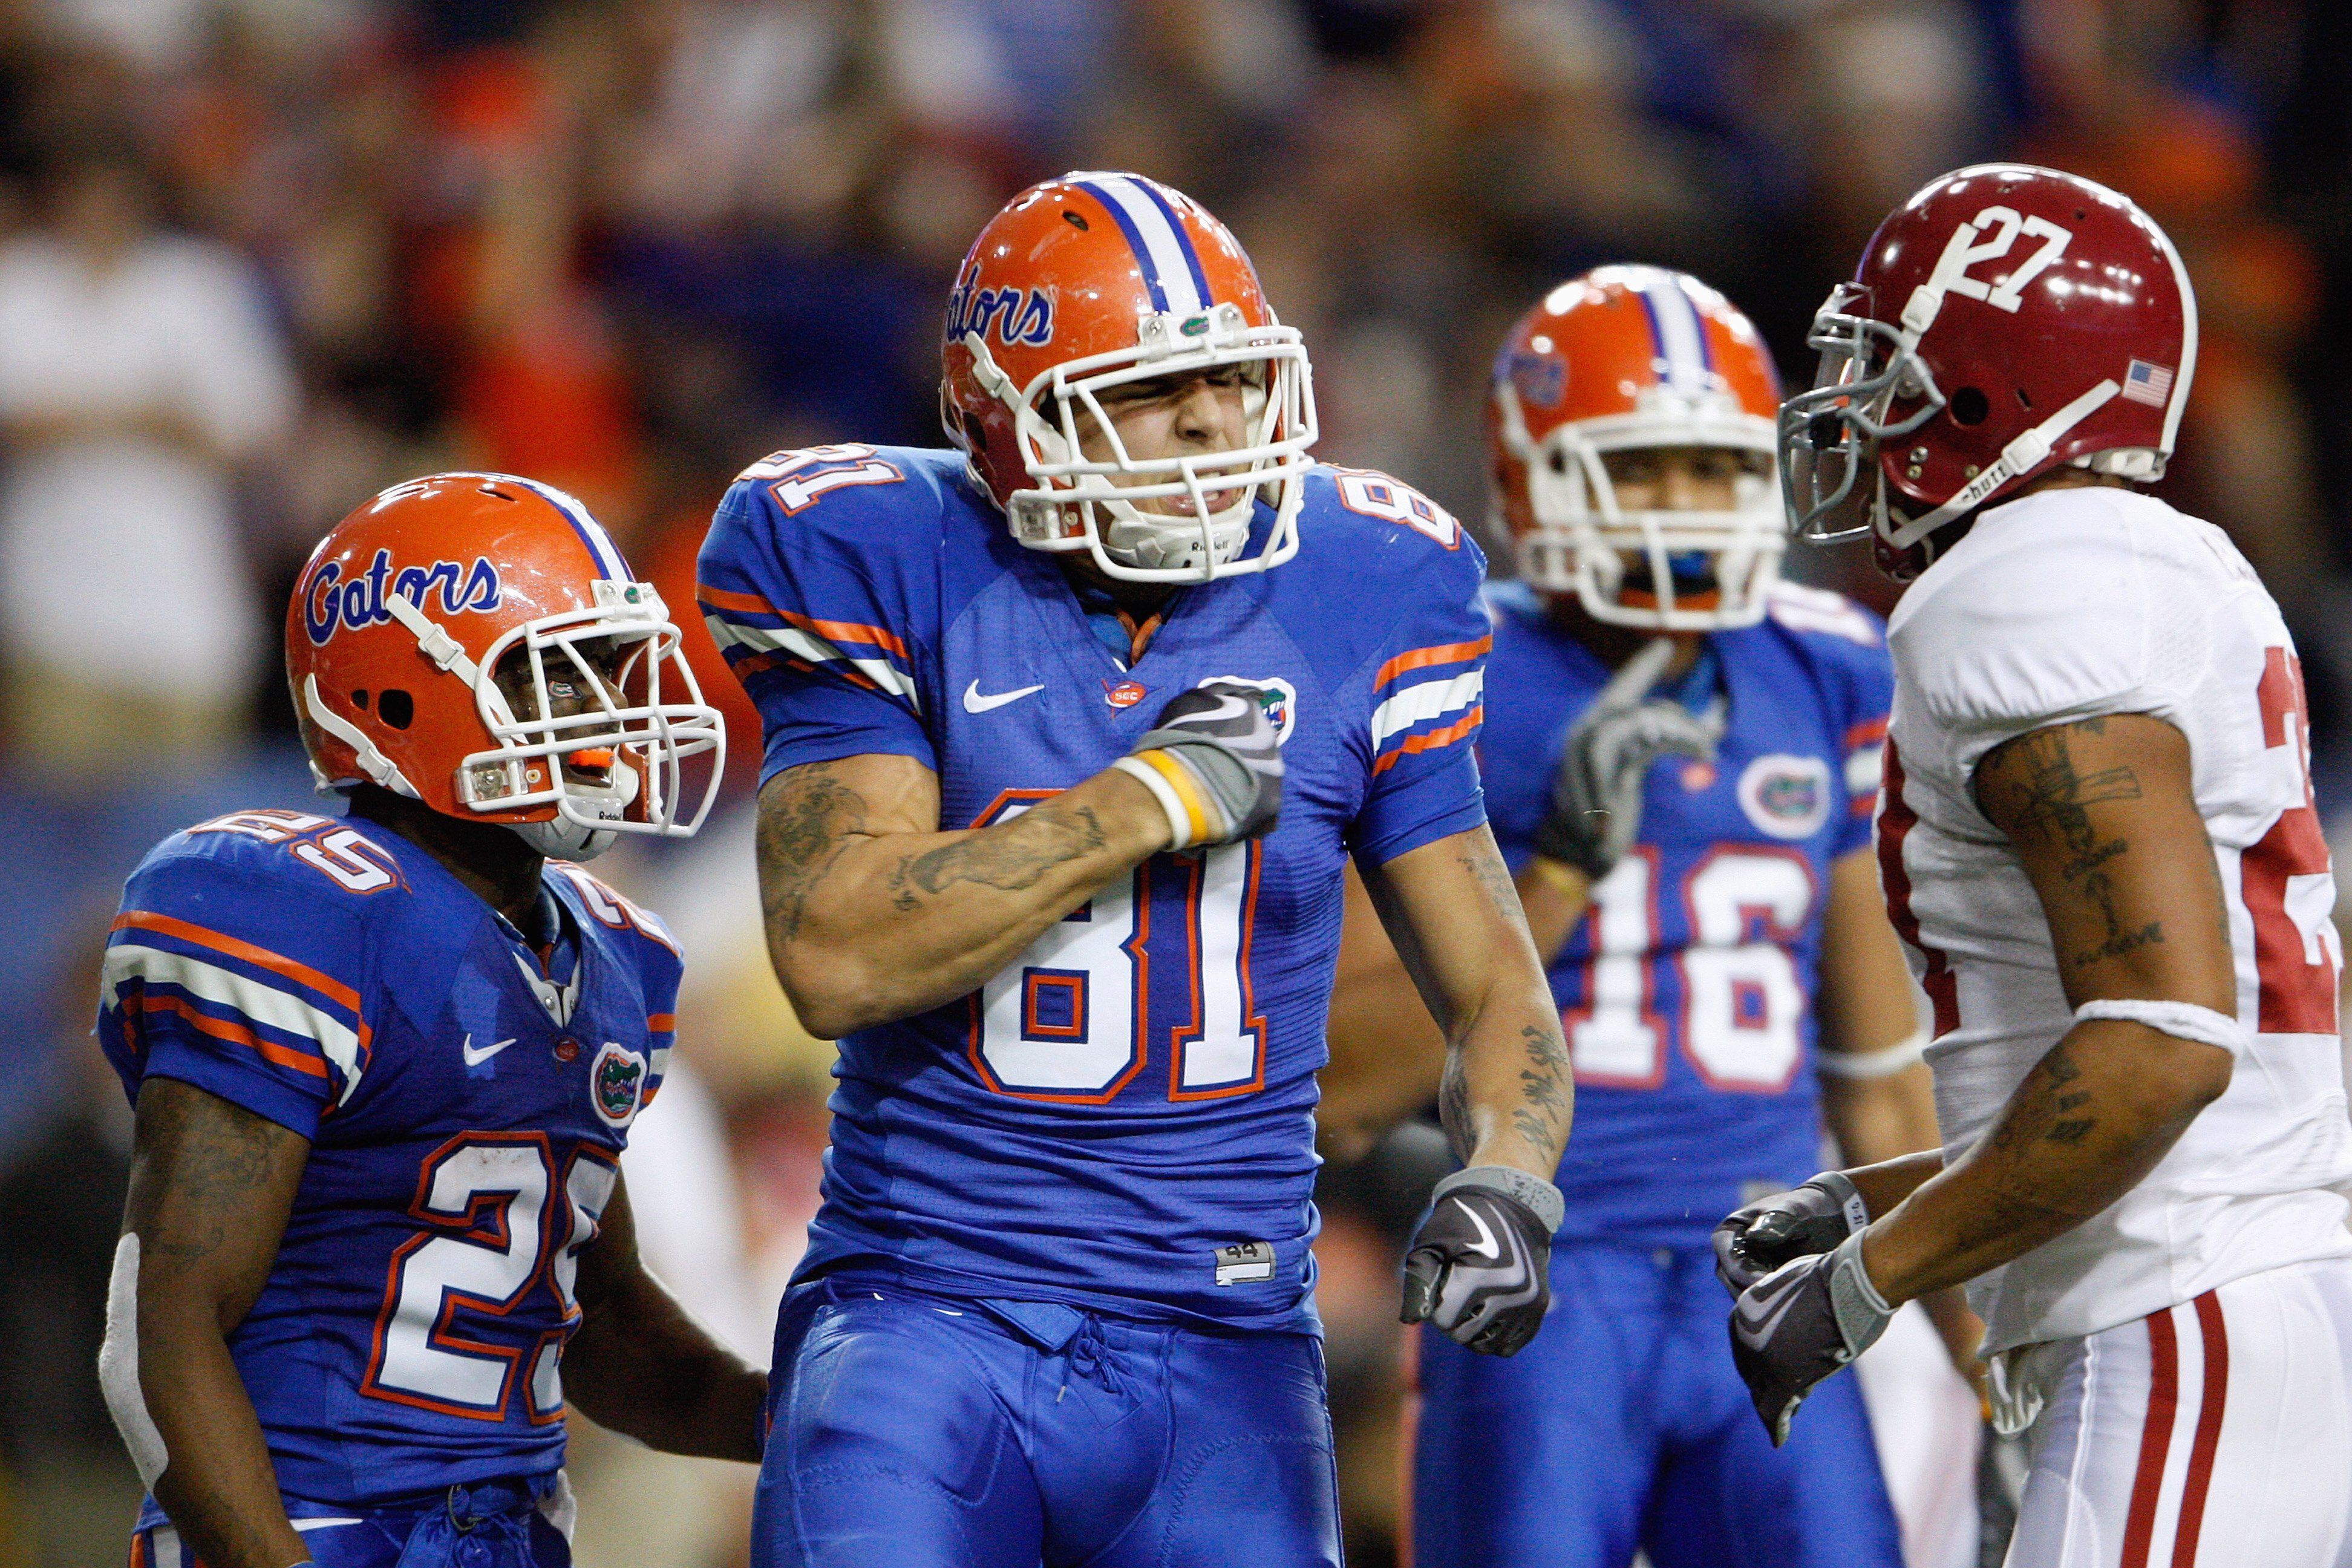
(1453, 1108)
(1542, 1120)
(804, 827)
(1015, 857)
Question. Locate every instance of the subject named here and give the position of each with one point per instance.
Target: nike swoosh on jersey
(974, 703)
(475, 1059)
(1755, 1326)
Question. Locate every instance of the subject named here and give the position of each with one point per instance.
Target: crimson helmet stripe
(1172, 270)
(1677, 329)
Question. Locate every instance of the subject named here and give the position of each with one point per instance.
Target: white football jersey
(2071, 605)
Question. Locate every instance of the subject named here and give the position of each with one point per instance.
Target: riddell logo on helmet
(330, 604)
(1019, 315)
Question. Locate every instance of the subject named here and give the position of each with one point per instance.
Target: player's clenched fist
(1753, 1241)
(1596, 804)
(1480, 1265)
(1799, 1324)
(1215, 763)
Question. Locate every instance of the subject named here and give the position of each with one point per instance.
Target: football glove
(1752, 1242)
(1596, 797)
(1480, 1265)
(1799, 1324)
(1213, 760)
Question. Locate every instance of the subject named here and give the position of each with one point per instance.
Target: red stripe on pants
(2215, 1335)
(2155, 1437)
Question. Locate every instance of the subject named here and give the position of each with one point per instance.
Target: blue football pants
(490, 1525)
(1624, 1426)
(926, 1431)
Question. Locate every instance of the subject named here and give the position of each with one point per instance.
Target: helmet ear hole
(360, 700)
(397, 708)
(1969, 405)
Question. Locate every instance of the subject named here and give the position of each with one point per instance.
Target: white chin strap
(2021, 455)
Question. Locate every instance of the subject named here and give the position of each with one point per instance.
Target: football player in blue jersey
(1068, 736)
(384, 1066)
(1680, 756)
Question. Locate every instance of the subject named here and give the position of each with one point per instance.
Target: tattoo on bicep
(2049, 805)
(2049, 802)
(1482, 861)
(803, 826)
(214, 1158)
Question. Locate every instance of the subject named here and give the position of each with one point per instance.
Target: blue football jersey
(467, 1096)
(1686, 992)
(1123, 1118)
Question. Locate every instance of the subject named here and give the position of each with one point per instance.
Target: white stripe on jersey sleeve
(1426, 701)
(261, 1003)
(816, 651)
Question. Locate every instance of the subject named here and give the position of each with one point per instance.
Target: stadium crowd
(261, 257)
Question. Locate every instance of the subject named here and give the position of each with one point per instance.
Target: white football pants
(2216, 1433)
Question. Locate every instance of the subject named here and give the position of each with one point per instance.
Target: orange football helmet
(1089, 281)
(432, 634)
(1629, 357)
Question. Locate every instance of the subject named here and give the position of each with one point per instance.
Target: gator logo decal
(616, 1082)
(1786, 796)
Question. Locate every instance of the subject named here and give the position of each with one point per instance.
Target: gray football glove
(1753, 1241)
(1596, 797)
(1799, 1324)
(1480, 1264)
(1214, 760)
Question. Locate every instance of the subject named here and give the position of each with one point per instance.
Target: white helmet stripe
(1169, 269)
(1681, 337)
(601, 548)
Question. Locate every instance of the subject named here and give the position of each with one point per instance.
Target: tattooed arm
(1506, 1094)
(873, 914)
(2102, 814)
(211, 1186)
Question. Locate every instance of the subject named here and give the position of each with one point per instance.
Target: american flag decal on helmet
(2148, 383)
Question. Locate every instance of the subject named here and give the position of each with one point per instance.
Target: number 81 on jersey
(1071, 1018)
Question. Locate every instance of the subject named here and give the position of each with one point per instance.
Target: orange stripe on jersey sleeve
(846, 631)
(662, 1023)
(1434, 740)
(301, 973)
(236, 1034)
(1423, 658)
(720, 599)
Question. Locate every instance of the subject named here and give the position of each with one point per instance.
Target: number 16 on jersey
(1072, 1018)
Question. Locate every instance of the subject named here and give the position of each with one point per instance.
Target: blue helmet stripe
(1134, 239)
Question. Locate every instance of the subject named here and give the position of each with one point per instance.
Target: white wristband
(1900, 1056)
(1179, 821)
(2181, 1020)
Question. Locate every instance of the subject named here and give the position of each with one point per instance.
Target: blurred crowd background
(260, 258)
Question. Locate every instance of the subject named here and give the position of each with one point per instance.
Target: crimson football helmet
(2004, 320)
(1628, 357)
(476, 642)
(1089, 281)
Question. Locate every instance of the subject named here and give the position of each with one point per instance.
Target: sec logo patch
(1126, 694)
(1786, 796)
